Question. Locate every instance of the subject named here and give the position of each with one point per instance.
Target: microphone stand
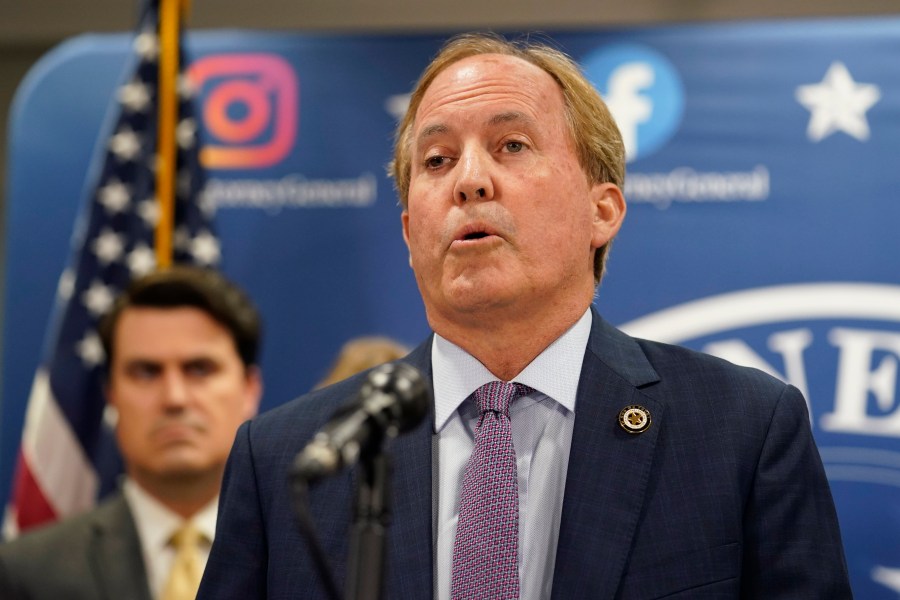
(368, 533)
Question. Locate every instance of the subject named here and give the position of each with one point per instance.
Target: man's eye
(143, 371)
(513, 146)
(200, 368)
(434, 162)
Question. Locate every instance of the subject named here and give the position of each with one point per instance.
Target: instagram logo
(250, 109)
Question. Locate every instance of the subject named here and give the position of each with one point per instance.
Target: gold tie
(184, 578)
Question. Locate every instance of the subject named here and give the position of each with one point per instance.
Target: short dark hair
(192, 287)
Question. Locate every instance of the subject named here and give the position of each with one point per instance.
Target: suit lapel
(410, 545)
(608, 467)
(115, 554)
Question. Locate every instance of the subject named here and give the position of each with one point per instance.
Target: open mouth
(476, 234)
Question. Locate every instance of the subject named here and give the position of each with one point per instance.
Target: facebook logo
(643, 92)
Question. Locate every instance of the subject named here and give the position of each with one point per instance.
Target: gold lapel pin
(634, 419)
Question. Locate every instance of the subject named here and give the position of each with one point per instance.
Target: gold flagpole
(170, 14)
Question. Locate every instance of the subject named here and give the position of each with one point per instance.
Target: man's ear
(404, 220)
(608, 207)
(253, 391)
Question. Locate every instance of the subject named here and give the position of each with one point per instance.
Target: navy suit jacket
(94, 556)
(724, 496)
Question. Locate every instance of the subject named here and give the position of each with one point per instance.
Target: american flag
(68, 458)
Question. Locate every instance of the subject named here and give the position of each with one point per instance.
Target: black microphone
(394, 398)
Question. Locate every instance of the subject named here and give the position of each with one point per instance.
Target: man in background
(181, 349)
(564, 459)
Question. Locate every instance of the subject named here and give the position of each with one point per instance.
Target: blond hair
(598, 142)
(363, 353)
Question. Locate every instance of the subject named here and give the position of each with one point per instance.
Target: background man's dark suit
(703, 504)
(96, 556)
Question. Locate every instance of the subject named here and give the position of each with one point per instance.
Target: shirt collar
(156, 523)
(456, 374)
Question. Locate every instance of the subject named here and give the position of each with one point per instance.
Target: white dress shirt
(542, 424)
(155, 525)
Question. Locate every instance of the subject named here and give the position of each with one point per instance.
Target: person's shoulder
(697, 383)
(686, 364)
(282, 430)
(39, 544)
(310, 411)
(312, 406)
(59, 560)
(668, 365)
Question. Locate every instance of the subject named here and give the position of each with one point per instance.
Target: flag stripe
(31, 504)
(64, 474)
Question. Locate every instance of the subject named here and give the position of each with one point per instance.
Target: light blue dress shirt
(542, 425)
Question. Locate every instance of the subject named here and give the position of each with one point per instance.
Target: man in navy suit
(182, 371)
(642, 470)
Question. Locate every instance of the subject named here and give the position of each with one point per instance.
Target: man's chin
(183, 465)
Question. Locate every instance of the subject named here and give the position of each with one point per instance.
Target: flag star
(205, 248)
(207, 204)
(135, 96)
(66, 286)
(141, 260)
(148, 210)
(90, 350)
(108, 246)
(114, 196)
(110, 416)
(838, 103)
(97, 298)
(181, 238)
(146, 45)
(183, 184)
(186, 86)
(186, 133)
(125, 145)
(397, 104)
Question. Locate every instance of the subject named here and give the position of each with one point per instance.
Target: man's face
(180, 390)
(501, 218)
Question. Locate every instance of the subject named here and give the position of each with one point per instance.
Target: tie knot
(498, 395)
(186, 536)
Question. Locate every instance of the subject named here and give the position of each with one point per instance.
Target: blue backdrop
(764, 190)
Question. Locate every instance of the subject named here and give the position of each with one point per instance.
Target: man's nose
(475, 181)
(175, 390)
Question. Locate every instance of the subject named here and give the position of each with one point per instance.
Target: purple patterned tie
(485, 551)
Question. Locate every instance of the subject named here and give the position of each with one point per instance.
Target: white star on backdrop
(181, 238)
(125, 145)
(90, 350)
(97, 298)
(141, 260)
(186, 133)
(183, 184)
(110, 416)
(207, 204)
(148, 210)
(397, 104)
(135, 96)
(108, 246)
(187, 89)
(205, 248)
(887, 577)
(147, 45)
(838, 103)
(114, 196)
